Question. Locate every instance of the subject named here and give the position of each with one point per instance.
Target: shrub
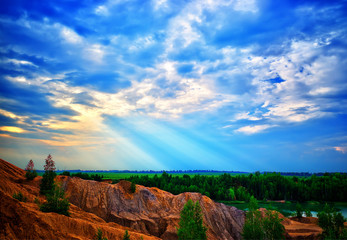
(126, 235)
(98, 235)
(20, 197)
(308, 213)
(65, 173)
(262, 227)
(133, 187)
(30, 175)
(37, 201)
(56, 202)
(332, 223)
(299, 210)
(96, 177)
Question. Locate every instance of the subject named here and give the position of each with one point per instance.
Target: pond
(288, 208)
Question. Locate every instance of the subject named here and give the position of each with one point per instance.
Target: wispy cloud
(253, 129)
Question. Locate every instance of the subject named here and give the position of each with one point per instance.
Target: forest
(267, 186)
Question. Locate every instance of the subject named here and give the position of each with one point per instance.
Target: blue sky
(240, 85)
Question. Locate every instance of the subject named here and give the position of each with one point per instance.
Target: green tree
(308, 213)
(56, 202)
(253, 229)
(273, 228)
(133, 187)
(47, 182)
(126, 235)
(262, 227)
(191, 225)
(98, 235)
(332, 223)
(299, 210)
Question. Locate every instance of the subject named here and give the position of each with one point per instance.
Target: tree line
(267, 186)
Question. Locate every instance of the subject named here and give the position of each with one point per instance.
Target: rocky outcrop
(150, 210)
(24, 220)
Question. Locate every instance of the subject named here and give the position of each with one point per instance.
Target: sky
(240, 85)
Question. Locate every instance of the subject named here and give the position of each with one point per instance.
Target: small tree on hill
(308, 213)
(30, 171)
(56, 202)
(191, 222)
(126, 235)
(253, 229)
(133, 187)
(99, 236)
(262, 227)
(299, 210)
(332, 223)
(47, 182)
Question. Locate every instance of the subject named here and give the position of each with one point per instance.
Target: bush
(56, 202)
(133, 187)
(30, 175)
(65, 173)
(308, 213)
(98, 235)
(96, 177)
(126, 235)
(20, 197)
(299, 210)
(262, 227)
(84, 176)
(332, 223)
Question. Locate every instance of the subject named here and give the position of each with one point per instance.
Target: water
(288, 208)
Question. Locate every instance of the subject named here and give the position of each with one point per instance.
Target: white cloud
(102, 10)
(70, 36)
(20, 62)
(253, 129)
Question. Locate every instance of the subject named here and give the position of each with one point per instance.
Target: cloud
(253, 129)
(343, 150)
(12, 129)
(70, 36)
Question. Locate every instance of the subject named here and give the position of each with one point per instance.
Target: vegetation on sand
(98, 235)
(332, 223)
(20, 197)
(56, 202)
(258, 226)
(126, 235)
